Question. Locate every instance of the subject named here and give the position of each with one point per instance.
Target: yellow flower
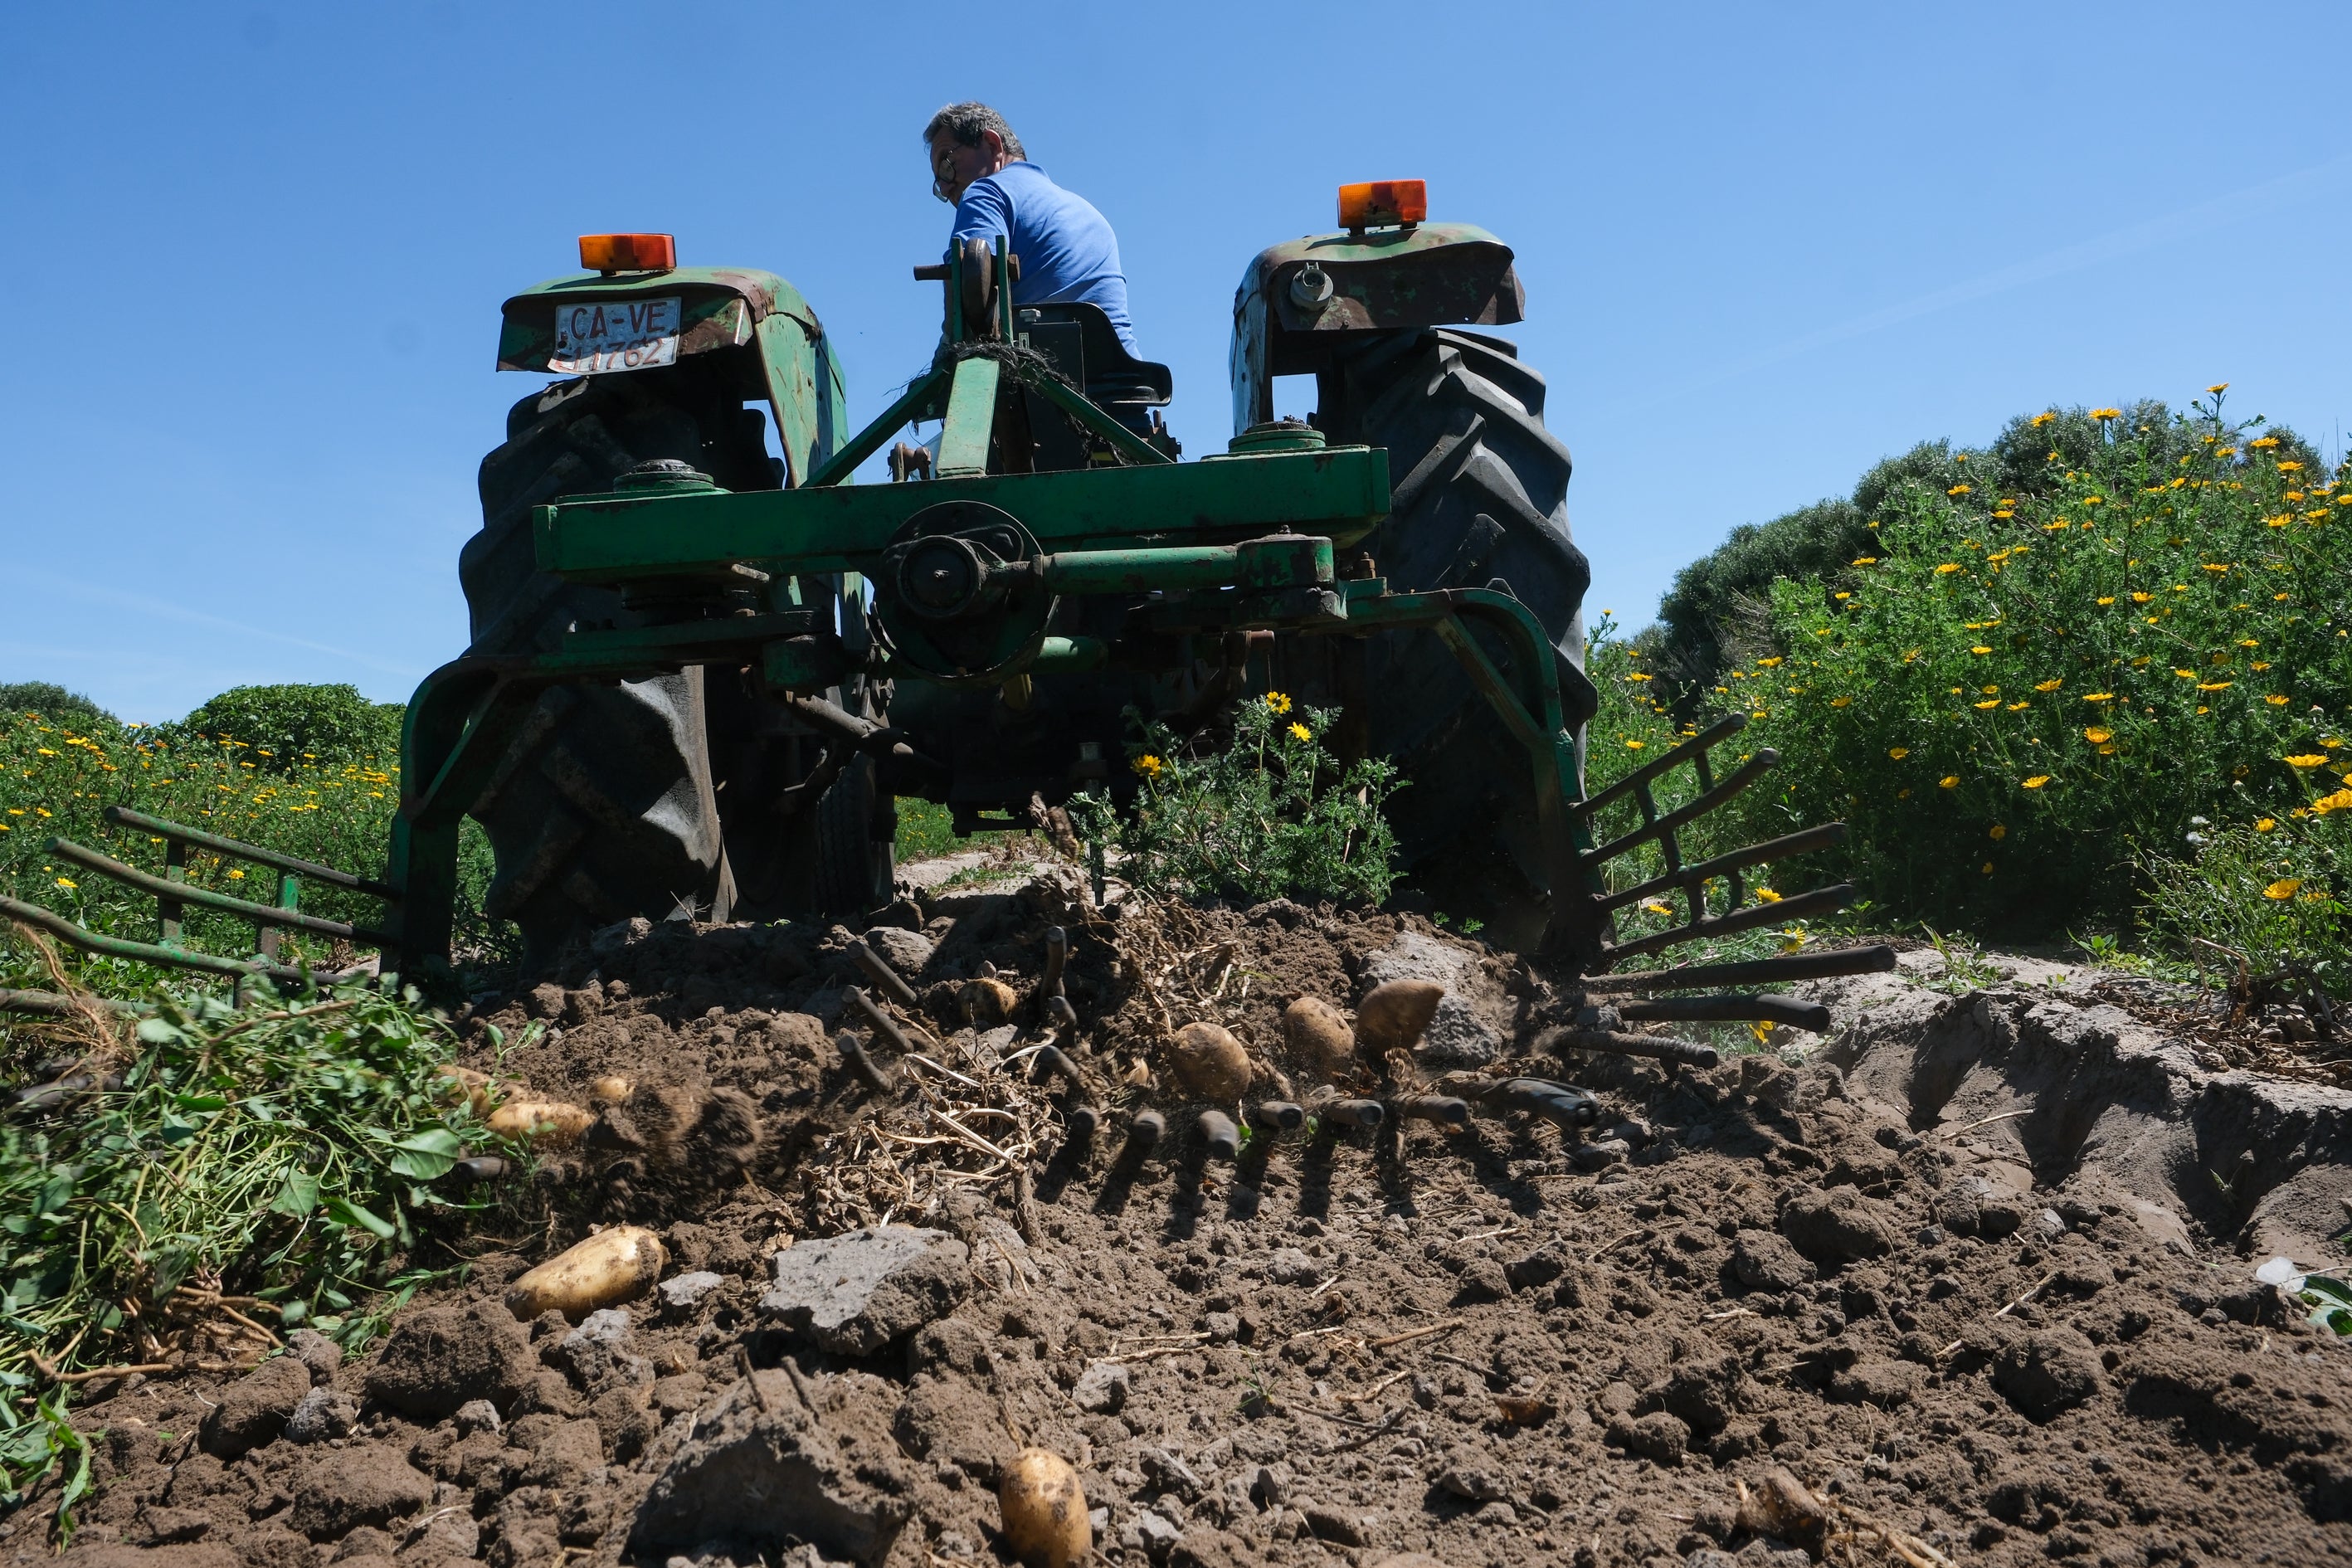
(1898, 752)
(2099, 696)
(1980, 650)
(2289, 468)
(1866, 560)
(2139, 598)
(1986, 868)
(1277, 702)
(67, 882)
(1957, 490)
(1948, 568)
(2276, 700)
(2247, 642)
(1656, 908)
(1841, 701)
(2049, 684)
(1772, 663)
(1147, 765)
(45, 751)
(2000, 830)
(1768, 895)
(1635, 745)
(2042, 419)
(235, 873)
(2186, 674)
(2097, 736)
(1989, 702)
(2340, 801)
(2215, 684)
(2037, 780)
(2265, 825)
(2108, 599)
(2283, 888)
(1949, 781)
(1301, 732)
(2105, 413)
(2306, 760)
(2218, 386)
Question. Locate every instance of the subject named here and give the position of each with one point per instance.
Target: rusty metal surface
(1876, 959)
(1794, 1012)
(1616, 1043)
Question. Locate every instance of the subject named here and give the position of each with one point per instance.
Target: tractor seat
(1079, 337)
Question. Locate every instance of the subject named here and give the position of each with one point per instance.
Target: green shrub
(2019, 696)
(54, 703)
(1271, 815)
(284, 725)
(2268, 893)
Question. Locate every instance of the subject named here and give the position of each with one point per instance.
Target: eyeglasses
(943, 175)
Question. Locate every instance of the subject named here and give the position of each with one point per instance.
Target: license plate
(593, 337)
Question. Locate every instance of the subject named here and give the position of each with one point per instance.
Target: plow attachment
(174, 898)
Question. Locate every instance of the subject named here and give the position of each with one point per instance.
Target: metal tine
(1691, 749)
(877, 969)
(1754, 768)
(1803, 906)
(1875, 959)
(1793, 1011)
(1612, 1042)
(1787, 847)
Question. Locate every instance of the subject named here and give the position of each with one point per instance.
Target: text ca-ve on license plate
(595, 336)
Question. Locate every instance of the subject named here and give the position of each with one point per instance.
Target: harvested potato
(550, 1122)
(611, 1267)
(611, 1090)
(1320, 1032)
(1210, 1062)
(986, 1002)
(1044, 1511)
(1393, 1014)
(455, 1084)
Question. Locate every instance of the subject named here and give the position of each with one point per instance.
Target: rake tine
(1793, 1011)
(1721, 730)
(1819, 901)
(1657, 1048)
(1827, 836)
(1754, 768)
(1875, 959)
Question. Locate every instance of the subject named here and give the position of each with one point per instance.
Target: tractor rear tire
(1478, 499)
(604, 805)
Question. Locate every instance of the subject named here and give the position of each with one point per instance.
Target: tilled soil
(1978, 1276)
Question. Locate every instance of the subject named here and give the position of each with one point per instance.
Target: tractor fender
(760, 320)
(1423, 275)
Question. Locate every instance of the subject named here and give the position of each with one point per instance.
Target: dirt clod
(440, 1357)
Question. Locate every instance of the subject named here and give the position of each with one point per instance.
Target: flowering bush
(1270, 815)
(2021, 699)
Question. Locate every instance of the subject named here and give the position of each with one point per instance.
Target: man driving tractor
(1067, 248)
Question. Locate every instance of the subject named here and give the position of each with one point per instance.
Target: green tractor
(704, 664)
(709, 786)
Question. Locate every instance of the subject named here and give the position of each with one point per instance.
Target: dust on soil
(1504, 1346)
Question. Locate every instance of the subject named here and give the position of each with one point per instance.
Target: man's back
(1067, 248)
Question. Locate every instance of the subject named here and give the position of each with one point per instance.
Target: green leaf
(202, 1102)
(351, 1213)
(157, 1032)
(297, 1195)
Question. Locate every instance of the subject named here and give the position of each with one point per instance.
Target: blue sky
(255, 253)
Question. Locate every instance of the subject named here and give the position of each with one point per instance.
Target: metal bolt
(1432, 1108)
(1217, 1131)
(1278, 1116)
(1351, 1112)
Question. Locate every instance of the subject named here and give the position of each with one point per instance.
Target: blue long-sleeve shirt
(1067, 248)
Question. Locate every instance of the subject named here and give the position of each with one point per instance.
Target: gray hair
(967, 122)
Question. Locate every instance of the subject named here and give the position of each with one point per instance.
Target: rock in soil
(854, 1294)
